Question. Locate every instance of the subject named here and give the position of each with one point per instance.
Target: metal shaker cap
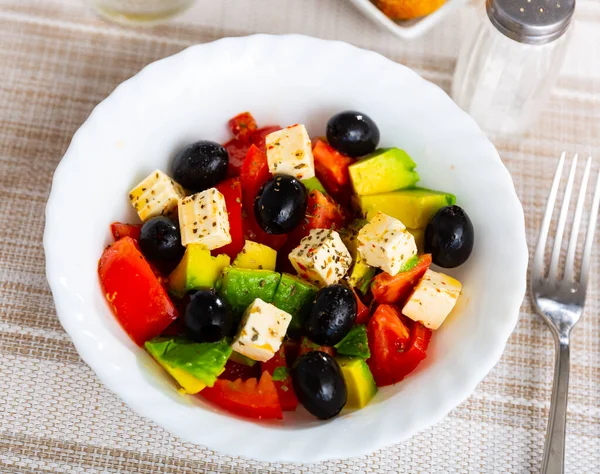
(531, 21)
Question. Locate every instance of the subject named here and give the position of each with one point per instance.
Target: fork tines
(538, 269)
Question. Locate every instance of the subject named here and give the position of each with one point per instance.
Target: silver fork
(560, 301)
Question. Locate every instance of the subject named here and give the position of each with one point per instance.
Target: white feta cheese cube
(262, 331)
(203, 219)
(289, 151)
(386, 243)
(156, 195)
(433, 299)
(321, 258)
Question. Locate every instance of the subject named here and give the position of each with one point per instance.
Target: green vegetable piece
(293, 296)
(197, 269)
(365, 282)
(387, 169)
(410, 264)
(413, 207)
(355, 343)
(204, 361)
(240, 287)
(242, 359)
(359, 381)
(313, 184)
(280, 374)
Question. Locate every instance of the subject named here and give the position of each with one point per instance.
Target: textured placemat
(57, 60)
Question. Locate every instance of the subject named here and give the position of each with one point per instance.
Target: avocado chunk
(255, 256)
(359, 381)
(312, 184)
(361, 273)
(387, 169)
(419, 235)
(197, 269)
(240, 287)
(293, 296)
(413, 207)
(355, 343)
(242, 359)
(192, 364)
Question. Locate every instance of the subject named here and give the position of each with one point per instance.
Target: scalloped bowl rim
(128, 372)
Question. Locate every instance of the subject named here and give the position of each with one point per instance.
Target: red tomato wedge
(277, 366)
(331, 168)
(120, 230)
(362, 311)
(237, 150)
(255, 172)
(136, 296)
(249, 398)
(259, 137)
(396, 343)
(243, 126)
(232, 192)
(389, 289)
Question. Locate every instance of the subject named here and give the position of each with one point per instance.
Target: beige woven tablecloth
(58, 60)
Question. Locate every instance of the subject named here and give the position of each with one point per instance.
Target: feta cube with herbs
(290, 264)
(289, 152)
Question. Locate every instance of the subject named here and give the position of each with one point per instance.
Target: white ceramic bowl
(407, 29)
(283, 80)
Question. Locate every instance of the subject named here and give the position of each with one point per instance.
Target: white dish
(407, 29)
(192, 95)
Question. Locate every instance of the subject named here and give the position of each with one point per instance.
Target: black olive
(207, 317)
(352, 133)
(160, 241)
(319, 384)
(201, 165)
(280, 204)
(332, 315)
(449, 237)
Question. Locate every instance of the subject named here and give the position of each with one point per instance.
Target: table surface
(58, 60)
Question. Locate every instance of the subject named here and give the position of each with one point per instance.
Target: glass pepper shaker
(508, 65)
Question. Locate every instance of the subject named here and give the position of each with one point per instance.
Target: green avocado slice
(413, 207)
(241, 286)
(384, 170)
(202, 360)
(293, 296)
(355, 343)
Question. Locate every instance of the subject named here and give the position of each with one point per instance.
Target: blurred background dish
(407, 18)
(140, 12)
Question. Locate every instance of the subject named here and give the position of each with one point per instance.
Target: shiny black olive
(160, 240)
(319, 384)
(449, 237)
(332, 315)
(201, 165)
(352, 133)
(207, 317)
(280, 204)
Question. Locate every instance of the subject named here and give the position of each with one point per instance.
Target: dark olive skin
(352, 133)
(200, 165)
(280, 204)
(319, 384)
(207, 317)
(160, 241)
(449, 237)
(332, 315)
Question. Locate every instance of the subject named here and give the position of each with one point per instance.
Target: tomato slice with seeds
(250, 398)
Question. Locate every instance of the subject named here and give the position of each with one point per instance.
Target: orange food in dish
(408, 9)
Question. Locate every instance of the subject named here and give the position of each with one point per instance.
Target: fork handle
(554, 450)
